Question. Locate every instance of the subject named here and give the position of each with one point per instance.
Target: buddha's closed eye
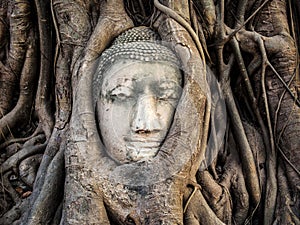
(169, 91)
(120, 93)
(169, 94)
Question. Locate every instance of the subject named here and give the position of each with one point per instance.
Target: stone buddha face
(136, 108)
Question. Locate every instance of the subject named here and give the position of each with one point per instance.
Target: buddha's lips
(142, 143)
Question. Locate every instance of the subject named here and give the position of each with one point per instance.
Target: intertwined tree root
(46, 49)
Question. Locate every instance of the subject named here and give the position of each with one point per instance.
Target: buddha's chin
(142, 153)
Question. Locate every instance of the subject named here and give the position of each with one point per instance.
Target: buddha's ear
(97, 120)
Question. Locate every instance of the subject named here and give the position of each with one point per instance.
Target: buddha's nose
(145, 117)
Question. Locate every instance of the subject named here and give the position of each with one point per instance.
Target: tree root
(284, 212)
(52, 147)
(81, 40)
(36, 135)
(239, 133)
(271, 45)
(271, 185)
(189, 53)
(207, 7)
(28, 169)
(240, 137)
(216, 195)
(4, 28)
(51, 192)
(199, 212)
(183, 23)
(199, 31)
(112, 21)
(14, 213)
(20, 26)
(22, 111)
(232, 179)
(43, 96)
(7, 188)
(14, 160)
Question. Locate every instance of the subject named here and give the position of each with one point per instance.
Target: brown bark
(47, 53)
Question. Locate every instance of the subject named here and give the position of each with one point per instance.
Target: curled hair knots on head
(138, 43)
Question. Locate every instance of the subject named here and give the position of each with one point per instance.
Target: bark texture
(53, 167)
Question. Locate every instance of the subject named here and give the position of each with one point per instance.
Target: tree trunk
(231, 154)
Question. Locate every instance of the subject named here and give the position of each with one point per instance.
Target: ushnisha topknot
(139, 43)
(137, 34)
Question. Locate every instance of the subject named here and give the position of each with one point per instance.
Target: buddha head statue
(136, 88)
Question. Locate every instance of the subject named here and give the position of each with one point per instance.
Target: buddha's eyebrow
(168, 84)
(124, 83)
(116, 87)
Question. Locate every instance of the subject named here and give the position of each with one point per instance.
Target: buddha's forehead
(127, 72)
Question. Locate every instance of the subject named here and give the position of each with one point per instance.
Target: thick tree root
(239, 185)
(43, 102)
(20, 26)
